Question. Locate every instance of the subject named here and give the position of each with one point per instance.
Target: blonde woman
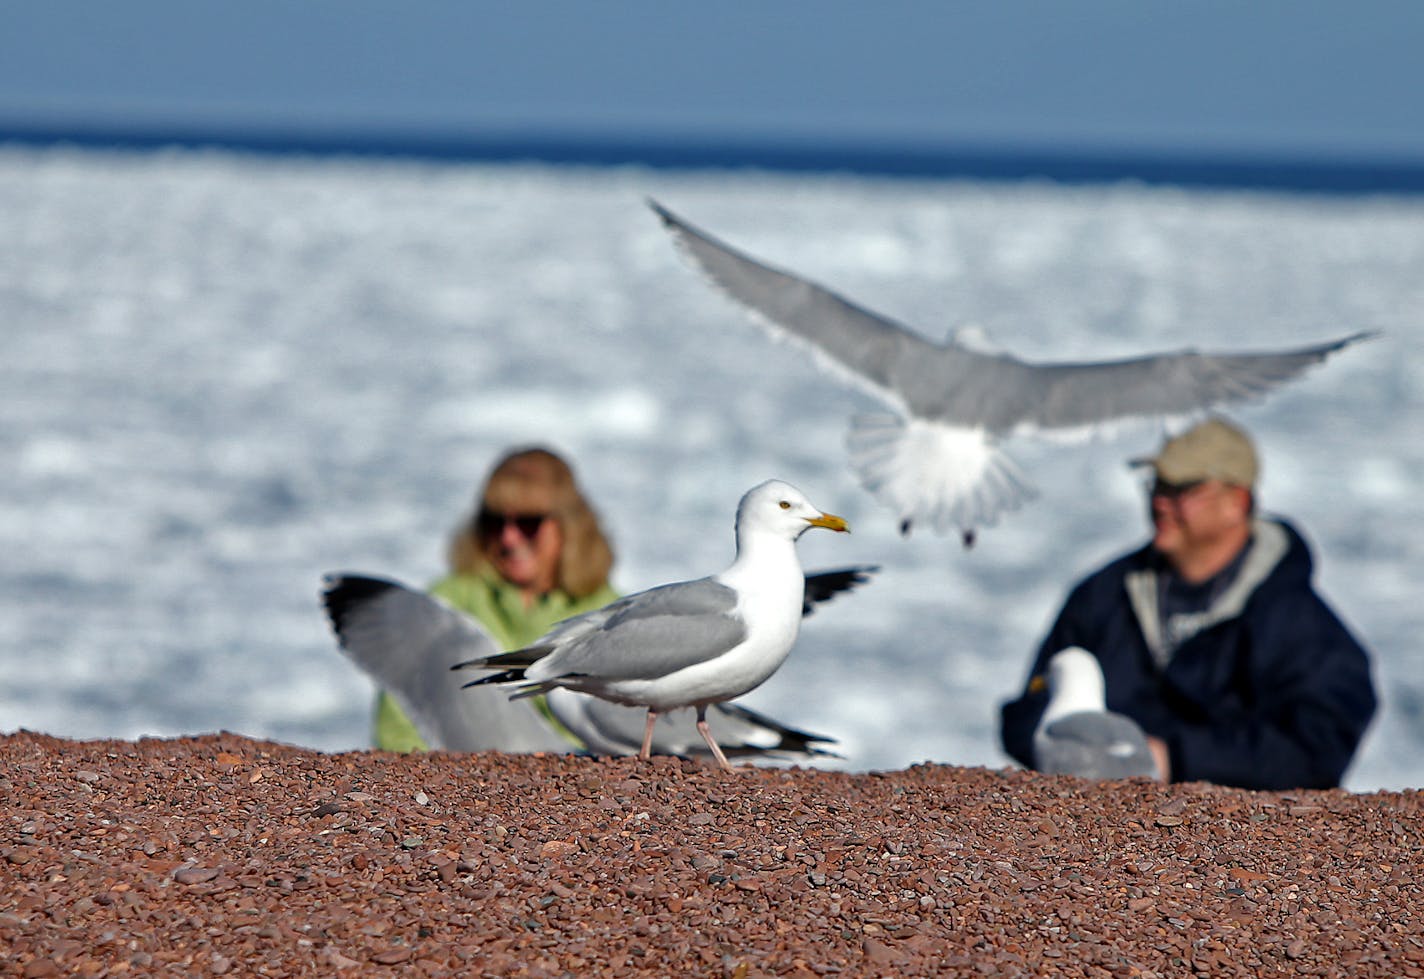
(530, 555)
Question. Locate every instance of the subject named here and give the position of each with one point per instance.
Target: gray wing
(405, 641)
(610, 729)
(650, 634)
(1093, 744)
(871, 348)
(687, 597)
(998, 392)
(1049, 396)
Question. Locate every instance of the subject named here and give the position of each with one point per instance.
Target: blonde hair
(535, 480)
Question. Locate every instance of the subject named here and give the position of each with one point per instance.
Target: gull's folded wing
(647, 635)
(1094, 744)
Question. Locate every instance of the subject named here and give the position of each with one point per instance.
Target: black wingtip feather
(822, 586)
(508, 676)
(344, 593)
(789, 738)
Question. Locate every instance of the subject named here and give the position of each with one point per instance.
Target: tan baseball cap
(1213, 449)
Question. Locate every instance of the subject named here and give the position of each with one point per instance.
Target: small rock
(194, 875)
(336, 960)
(878, 952)
(553, 849)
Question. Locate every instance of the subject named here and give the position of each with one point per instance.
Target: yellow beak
(830, 521)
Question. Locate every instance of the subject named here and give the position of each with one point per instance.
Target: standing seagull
(938, 460)
(1078, 735)
(688, 644)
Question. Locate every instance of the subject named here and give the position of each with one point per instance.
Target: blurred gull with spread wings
(938, 459)
(406, 640)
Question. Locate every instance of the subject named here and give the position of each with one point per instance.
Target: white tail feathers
(949, 478)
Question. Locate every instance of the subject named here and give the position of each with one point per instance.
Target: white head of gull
(691, 643)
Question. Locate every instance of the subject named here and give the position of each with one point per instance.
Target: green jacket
(499, 607)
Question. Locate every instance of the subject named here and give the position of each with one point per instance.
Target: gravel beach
(220, 855)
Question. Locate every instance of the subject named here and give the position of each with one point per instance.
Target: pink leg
(711, 742)
(647, 751)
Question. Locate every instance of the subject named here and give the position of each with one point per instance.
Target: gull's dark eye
(784, 505)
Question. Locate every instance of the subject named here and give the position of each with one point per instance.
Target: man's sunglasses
(491, 524)
(1174, 491)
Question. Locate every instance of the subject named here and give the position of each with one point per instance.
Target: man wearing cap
(1211, 636)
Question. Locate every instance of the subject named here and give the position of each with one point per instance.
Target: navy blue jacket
(1272, 692)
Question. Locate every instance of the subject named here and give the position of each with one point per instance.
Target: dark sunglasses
(488, 523)
(1174, 491)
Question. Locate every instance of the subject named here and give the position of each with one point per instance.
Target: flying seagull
(1077, 734)
(688, 644)
(406, 640)
(937, 459)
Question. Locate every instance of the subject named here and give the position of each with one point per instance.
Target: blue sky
(1300, 78)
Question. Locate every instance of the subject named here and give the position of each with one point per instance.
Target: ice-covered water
(225, 375)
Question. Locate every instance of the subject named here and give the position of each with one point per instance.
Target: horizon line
(1003, 162)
